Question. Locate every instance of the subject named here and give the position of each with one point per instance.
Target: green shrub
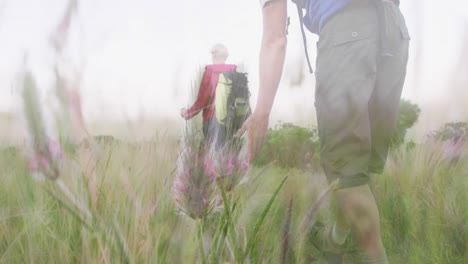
(407, 116)
(290, 146)
(451, 131)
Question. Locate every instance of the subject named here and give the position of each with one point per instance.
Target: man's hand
(255, 127)
(184, 113)
(272, 53)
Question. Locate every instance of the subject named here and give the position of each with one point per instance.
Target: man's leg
(206, 125)
(346, 77)
(340, 133)
(357, 211)
(220, 136)
(210, 131)
(356, 205)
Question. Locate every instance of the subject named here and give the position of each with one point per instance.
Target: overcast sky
(140, 56)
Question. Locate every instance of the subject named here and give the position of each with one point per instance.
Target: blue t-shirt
(319, 11)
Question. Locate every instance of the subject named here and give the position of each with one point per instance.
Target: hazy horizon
(140, 57)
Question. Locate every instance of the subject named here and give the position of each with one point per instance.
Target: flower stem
(230, 225)
(200, 240)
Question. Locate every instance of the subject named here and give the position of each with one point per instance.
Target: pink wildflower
(454, 150)
(194, 187)
(245, 167)
(55, 150)
(40, 160)
(232, 166)
(209, 167)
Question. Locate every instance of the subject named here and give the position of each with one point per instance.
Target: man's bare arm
(272, 53)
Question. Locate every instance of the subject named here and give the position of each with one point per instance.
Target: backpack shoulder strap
(299, 5)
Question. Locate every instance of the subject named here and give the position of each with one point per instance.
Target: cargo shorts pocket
(354, 51)
(350, 36)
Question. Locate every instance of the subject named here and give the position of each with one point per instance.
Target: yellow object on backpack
(223, 89)
(232, 106)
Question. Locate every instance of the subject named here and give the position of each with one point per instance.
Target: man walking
(206, 94)
(360, 70)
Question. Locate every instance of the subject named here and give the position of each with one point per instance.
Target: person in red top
(206, 94)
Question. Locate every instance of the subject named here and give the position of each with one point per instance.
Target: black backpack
(233, 106)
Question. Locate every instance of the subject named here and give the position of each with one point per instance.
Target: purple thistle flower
(180, 187)
(194, 187)
(232, 166)
(43, 160)
(36, 162)
(454, 150)
(209, 167)
(55, 150)
(47, 154)
(245, 167)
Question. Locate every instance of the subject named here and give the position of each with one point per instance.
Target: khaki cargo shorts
(358, 91)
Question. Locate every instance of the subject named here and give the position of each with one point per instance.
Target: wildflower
(194, 187)
(209, 166)
(40, 158)
(47, 154)
(231, 166)
(452, 138)
(454, 149)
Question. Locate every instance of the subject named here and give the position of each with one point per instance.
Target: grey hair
(220, 50)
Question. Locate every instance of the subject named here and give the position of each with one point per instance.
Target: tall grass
(422, 199)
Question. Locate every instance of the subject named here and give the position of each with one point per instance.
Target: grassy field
(423, 200)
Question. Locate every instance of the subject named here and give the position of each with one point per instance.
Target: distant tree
(407, 116)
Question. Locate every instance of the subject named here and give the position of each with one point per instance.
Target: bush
(451, 131)
(453, 138)
(408, 115)
(290, 146)
(293, 146)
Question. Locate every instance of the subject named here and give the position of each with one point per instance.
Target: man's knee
(358, 207)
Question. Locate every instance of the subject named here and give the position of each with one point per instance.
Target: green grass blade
(121, 241)
(259, 223)
(70, 210)
(218, 239)
(230, 224)
(311, 215)
(200, 241)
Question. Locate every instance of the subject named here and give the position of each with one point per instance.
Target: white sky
(141, 55)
